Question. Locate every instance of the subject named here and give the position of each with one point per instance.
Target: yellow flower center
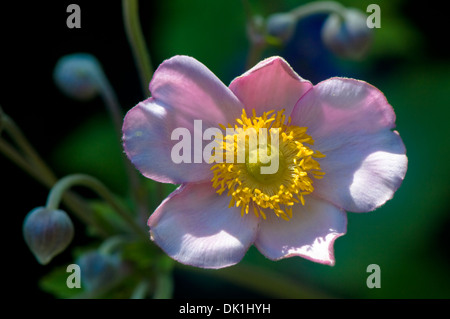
(264, 164)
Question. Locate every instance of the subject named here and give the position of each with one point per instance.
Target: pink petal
(270, 85)
(362, 172)
(341, 105)
(183, 90)
(147, 142)
(195, 227)
(310, 233)
(189, 90)
(351, 124)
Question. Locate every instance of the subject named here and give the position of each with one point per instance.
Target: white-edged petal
(195, 227)
(310, 233)
(362, 172)
(351, 123)
(186, 97)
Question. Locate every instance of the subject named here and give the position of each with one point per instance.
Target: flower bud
(281, 26)
(99, 269)
(77, 75)
(47, 233)
(347, 37)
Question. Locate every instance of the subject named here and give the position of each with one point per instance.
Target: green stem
(73, 202)
(112, 244)
(32, 164)
(141, 290)
(258, 38)
(17, 158)
(65, 183)
(255, 36)
(141, 55)
(317, 7)
(137, 42)
(30, 153)
(110, 99)
(164, 286)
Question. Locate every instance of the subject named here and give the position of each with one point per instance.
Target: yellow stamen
(247, 183)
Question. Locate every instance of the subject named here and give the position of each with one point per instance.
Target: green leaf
(55, 284)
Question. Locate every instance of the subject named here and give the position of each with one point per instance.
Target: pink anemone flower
(336, 152)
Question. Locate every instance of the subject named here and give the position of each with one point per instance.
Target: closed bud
(47, 233)
(347, 36)
(281, 26)
(77, 75)
(99, 269)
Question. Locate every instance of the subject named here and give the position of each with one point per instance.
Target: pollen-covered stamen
(266, 164)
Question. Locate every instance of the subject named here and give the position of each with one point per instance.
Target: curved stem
(67, 182)
(112, 243)
(73, 202)
(259, 40)
(137, 42)
(32, 164)
(317, 7)
(109, 97)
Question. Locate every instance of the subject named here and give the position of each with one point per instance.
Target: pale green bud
(77, 75)
(47, 233)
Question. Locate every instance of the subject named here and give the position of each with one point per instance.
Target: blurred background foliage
(409, 237)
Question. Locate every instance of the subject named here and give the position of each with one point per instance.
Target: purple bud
(348, 36)
(47, 233)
